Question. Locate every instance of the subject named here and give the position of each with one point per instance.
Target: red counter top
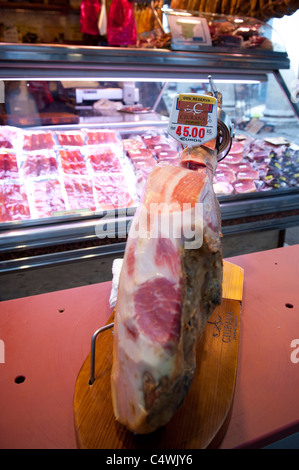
(47, 337)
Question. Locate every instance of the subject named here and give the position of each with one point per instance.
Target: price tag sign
(193, 119)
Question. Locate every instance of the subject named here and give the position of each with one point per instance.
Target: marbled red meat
(157, 304)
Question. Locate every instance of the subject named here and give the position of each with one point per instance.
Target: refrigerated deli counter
(81, 128)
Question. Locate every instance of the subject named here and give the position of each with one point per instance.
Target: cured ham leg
(169, 285)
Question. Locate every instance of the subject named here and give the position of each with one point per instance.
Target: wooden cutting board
(202, 419)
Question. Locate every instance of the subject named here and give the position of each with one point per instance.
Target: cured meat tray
(102, 169)
(202, 419)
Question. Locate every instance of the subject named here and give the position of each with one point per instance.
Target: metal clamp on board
(93, 350)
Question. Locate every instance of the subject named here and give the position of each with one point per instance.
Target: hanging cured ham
(170, 283)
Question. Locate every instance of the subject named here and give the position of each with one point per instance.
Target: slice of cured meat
(233, 158)
(236, 148)
(103, 136)
(47, 197)
(247, 174)
(244, 165)
(224, 175)
(79, 192)
(136, 154)
(224, 166)
(111, 191)
(72, 162)
(245, 186)
(151, 140)
(175, 161)
(38, 140)
(8, 166)
(104, 159)
(133, 144)
(39, 164)
(8, 137)
(223, 187)
(167, 155)
(171, 281)
(13, 202)
(70, 138)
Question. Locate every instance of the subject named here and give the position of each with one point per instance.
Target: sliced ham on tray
(79, 192)
(47, 197)
(8, 166)
(39, 164)
(13, 202)
(70, 138)
(168, 287)
(104, 160)
(101, 137)
(72, 162)
(38, 140)
(9, 137)
(112, 191)
(133, 144)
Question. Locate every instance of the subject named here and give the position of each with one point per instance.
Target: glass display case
(81, 128)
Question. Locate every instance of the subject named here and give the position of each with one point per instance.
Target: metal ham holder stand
(223, 145)
(202, 419)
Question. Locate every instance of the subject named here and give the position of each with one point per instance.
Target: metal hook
(213, 87)
(93, 350)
